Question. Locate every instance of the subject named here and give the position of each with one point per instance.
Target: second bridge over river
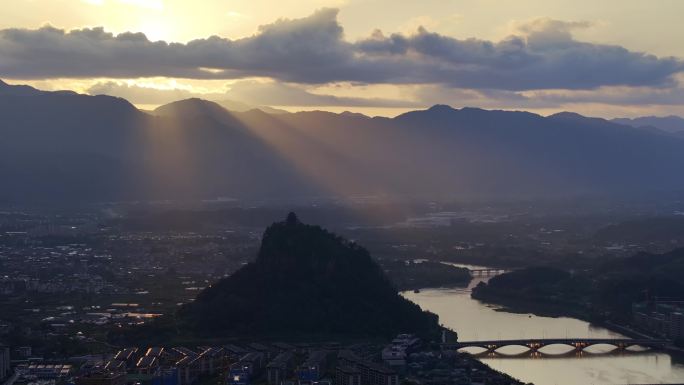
(576, 343)
(487, 272)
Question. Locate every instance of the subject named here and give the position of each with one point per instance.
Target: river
(474, 320)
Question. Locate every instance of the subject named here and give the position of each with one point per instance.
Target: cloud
(251, 92)
(146, 95)
(545, 58)
(633, 96)
(628, 97)
(546, 32)
(494, 99)
(153, 4)
(313, 50)
(280, 94)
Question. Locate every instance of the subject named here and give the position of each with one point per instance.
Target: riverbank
(554, 310)
(417, 275)
(542, 309)
(551, 292)
(478, 321)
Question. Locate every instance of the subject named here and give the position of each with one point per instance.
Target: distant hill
(609, 289)
(191, 108)
(306, 281)
(232, 105)
(672, 124)
(64, 148)
(195, 106)
(61, 146)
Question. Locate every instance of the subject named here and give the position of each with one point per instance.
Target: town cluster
(406, 359)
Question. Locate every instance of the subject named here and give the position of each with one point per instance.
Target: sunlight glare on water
(474, 321)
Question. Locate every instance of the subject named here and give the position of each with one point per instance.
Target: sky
(609, 58)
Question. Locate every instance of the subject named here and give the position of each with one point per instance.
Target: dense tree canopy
(609, 288)
(306, 280)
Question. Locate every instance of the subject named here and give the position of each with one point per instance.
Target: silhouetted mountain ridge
(672, 124)
(62, 147)
(190, 108)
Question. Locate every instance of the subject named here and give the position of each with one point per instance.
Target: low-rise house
(49, 371)
(147, 365)
(371, 373)
(102, 378)
(211, 360)
(187, 369)
(128, 356)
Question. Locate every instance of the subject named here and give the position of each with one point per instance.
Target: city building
(394, 355)
(280, 368)
(347, 375)
(211, 360)
(371, 373)
(147, 365)
(188, 369)
(248, 366)
(315, 366)
(24, 351)
(677, 325)
(5, 369)
(128, 356)
(665, 319)
(102, 378)
(115, 366)
(49, 371)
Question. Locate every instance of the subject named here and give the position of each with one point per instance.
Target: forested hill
(607, 290)
(306, 280)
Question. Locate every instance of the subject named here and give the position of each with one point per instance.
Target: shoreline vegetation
(414, 275)
(537, 291)
(542, 309)
(602, 295)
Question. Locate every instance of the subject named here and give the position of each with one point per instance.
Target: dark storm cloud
(303, 49)
(313, 50)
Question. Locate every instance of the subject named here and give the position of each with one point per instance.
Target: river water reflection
(474, 320)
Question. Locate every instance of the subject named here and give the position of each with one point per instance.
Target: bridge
(488, 272)
(578, 344)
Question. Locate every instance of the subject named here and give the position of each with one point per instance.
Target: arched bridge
(488, 272)
(576, 343)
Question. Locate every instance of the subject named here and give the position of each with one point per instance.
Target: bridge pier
(579, 346)
(534, 346)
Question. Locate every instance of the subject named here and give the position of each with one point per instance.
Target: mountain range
(65, 148)
(670, 124)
